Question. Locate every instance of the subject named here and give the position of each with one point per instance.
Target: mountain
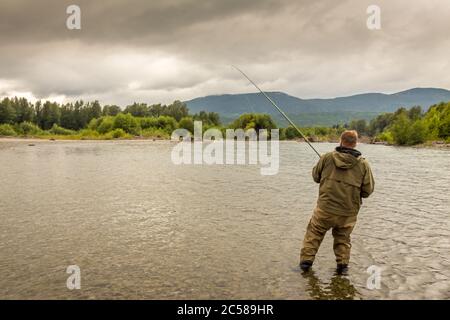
(308, 112)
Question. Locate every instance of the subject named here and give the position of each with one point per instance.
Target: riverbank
(138, 138)
(76, 139)
(365, 140)
(434, 145)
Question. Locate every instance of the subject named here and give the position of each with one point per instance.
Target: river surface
(140, 227)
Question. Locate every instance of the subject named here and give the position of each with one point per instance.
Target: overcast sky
(163, 50)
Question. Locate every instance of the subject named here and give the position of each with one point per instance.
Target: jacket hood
(346, 158)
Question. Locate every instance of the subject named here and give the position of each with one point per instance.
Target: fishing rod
(278, 108)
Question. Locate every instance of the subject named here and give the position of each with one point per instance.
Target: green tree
(38, 112)
(68, 117)
(156, 110)
(437, 120)
(7, 112)
(400, 129)
(415, 113)
(24, 110)
(112, 110)
(360, 126)
(95, 111)
(51, 114)
(207, 118)
(432, 120)
(418, 132)
(408, 132)
(444, 126)
(137, 110)
(176, 110)
(80, 115)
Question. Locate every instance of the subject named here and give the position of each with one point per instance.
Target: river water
(141, 227)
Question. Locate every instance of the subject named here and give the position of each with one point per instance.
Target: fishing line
(278, 108)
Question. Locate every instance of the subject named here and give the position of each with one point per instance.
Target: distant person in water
(345, 178)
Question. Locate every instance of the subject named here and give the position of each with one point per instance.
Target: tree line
(408, 127)
(77, 115)
(18, 116)
(80, 120)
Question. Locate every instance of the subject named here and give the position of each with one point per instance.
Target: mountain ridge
(337, 110)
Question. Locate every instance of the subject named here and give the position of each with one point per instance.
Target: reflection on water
(140, 227)
(339, 288)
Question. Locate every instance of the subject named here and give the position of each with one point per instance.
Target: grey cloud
(179, 49)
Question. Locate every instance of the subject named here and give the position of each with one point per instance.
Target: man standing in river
(345, 178)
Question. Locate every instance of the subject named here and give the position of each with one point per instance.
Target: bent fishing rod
(278, 108)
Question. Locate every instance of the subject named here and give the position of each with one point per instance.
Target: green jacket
(345, 178)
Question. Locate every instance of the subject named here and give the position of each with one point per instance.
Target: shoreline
(34, 139)
(429, 145)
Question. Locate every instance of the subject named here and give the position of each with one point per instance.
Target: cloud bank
(162, 50)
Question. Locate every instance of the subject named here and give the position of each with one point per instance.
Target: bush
(321, 131)
(385, 136)
(7, 130)
(61, 131)
(28, 128)
(187, 123)
(444, 126)
(418, 133)
(87, 134)
(148, 122)
(127, 123)
(400, 129)
(291, 133)
(406, 132)
(93, 124)
(255, 121)
(167, 123)
(105, 124)
(117, 134)
(155, 133)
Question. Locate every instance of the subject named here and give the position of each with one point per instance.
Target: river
(141, 227)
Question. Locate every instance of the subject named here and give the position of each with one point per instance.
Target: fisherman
(345, 178)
